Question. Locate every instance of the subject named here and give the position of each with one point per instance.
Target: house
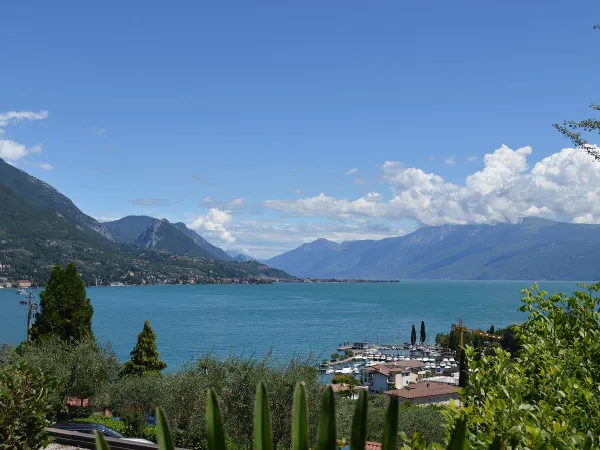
(381, 377)
(23, 284)
(343, 387)
(426, 393)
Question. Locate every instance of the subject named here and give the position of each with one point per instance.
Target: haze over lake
(287, 318)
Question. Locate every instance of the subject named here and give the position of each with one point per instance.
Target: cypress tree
(423, 333)
(463, 370)
(65, 311)
(453, 343)
(413, 336)
(144, 356)
(491, 330)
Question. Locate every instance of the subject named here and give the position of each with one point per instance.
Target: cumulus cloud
(152, 202)
(352, 171)
(11, 150)
(214, 225)
(323, 205)
(450, 161)
(562, 186)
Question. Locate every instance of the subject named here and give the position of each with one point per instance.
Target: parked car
(90, 427)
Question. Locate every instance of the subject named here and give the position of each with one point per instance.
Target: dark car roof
(87, 427)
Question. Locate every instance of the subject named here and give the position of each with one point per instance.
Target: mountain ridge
(535, 248)
(40, 227)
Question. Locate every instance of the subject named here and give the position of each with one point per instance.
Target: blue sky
(235, 117)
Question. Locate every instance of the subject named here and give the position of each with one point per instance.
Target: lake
(286, 318)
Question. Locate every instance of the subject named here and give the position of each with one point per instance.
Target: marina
(380, 368)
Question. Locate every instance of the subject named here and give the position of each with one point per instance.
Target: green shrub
(24, 405)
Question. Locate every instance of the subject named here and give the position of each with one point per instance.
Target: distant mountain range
(535, 249)
(160, 234)
(40, 227)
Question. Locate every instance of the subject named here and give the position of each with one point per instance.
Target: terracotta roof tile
(423, 389)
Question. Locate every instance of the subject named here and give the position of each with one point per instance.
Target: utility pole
(32, 306)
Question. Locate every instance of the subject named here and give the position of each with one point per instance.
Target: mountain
(535, 249)
(145, 231)
(40, 227)
(43, 198)
(162, 235)
(215, 251)
(240, 255)
(128, 229)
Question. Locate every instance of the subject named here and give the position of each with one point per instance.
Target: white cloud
(562, 186)
(214, 225)
(11, 150)
(11, 117)
(472, 158)
(101, 131)
(352, 171)
(44, 166)
(450, 161)
(323, 205)
(265, 239)
(297, 191)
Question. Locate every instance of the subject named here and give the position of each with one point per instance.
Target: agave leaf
(101, 443)
(496, 444)
(163, 431)
(214, 423)
(359, 423)
(326, 439)
(589, 441)
(300, 419)
(458, 438)
(263, 437)
(390, 428)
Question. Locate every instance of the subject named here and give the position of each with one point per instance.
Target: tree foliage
(144, 356)
(546, 396)
(24, 404)
(413, 336)
(65, 311)
(423, 332)
(82, 369)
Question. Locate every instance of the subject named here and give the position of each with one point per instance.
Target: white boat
(329, 371)
(451, 360)
(346, 370)
(445, 360)
(395, 358)
(356, 371)
(389, 358)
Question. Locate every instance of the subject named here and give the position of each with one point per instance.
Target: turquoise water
(286, 318)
